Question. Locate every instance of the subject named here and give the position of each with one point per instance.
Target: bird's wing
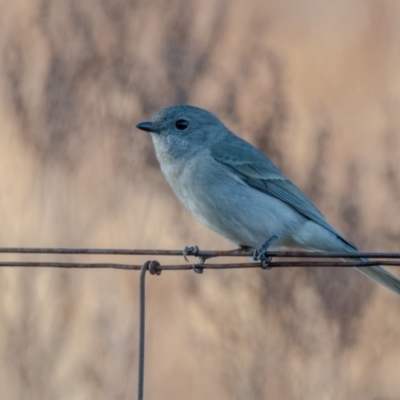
(260, 173)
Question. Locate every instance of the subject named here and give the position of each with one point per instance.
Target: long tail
(380, 275)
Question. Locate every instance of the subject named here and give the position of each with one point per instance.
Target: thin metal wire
(142, 298)
(183, 267)
(152, 267)
(206, 254)
(155, 268)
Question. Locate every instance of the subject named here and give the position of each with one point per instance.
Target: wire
(183, 267)
(207, 253)
(142, 303)
(155, 268)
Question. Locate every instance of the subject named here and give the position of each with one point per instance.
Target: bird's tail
(380, 275)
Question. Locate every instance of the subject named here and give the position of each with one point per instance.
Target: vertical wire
(142, 298)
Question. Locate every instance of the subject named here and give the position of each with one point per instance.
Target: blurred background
(314, 84)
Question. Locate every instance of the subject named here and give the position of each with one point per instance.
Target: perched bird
(236, 191)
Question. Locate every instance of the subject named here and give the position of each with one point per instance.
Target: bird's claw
(260, 253)
(264, 260)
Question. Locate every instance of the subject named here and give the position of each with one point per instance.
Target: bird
(235, 190)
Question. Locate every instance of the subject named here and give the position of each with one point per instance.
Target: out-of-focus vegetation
(314, 84)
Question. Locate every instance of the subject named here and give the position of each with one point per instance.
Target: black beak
(146, 126)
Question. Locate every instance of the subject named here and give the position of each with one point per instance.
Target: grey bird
(236, 191)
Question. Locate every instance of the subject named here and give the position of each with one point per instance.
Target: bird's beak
(146, 126)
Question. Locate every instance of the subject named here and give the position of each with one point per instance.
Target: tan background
(314, 84)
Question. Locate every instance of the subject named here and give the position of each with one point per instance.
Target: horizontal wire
(177, 267)
(200, 253)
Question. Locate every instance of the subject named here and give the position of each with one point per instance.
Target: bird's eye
(181, 124)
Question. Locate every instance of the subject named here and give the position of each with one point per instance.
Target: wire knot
(153, 267)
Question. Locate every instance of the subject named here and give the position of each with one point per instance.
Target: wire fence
(384, 258)
(315, 259)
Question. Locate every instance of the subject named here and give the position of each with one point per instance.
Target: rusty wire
(386, 258)
(155, 268)
(183, 267)
(206, 253)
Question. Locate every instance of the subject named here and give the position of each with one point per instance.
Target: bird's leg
(194, 251)
(259, 254)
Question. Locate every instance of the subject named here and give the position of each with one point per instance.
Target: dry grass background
(314, 84)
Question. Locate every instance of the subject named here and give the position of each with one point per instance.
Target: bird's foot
(194, 251)
(260, 253)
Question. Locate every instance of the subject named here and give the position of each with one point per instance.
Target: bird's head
(180, 131)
